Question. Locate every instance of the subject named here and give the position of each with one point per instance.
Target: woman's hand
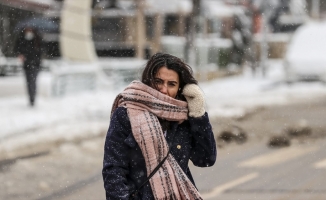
(195, 99)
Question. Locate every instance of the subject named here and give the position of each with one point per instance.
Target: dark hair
(159, 60)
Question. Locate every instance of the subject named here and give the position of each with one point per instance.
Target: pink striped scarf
(144, 104)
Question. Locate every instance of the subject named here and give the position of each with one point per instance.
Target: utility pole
(315, 9)
(190, 53)
(157, 33)
(140, 26)
(263, 42)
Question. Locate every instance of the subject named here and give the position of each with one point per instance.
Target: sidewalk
(52, 120)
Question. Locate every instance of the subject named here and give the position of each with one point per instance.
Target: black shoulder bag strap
(134, 193)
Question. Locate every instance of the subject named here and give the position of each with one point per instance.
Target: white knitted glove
(195, 99)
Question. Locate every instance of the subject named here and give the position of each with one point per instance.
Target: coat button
(178, 146)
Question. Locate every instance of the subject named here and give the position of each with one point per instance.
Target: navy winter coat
(124, 168)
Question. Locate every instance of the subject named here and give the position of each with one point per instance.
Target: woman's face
(167, 81)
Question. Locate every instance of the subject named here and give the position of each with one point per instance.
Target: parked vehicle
(305, 57)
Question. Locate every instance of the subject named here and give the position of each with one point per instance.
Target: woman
(160, 123)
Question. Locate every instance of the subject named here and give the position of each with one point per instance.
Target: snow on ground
(234, 96)
(85, 113)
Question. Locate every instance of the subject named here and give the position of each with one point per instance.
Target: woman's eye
(172, 83)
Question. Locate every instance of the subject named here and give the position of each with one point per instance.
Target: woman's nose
(164, 89)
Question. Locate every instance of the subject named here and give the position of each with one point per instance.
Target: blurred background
(260, 63)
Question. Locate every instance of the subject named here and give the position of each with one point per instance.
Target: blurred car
(305, 57)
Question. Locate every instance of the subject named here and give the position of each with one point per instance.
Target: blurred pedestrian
(28, 48)
(157, 125)
(238, 41)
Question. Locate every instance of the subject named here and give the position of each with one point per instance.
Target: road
(248, 171)
(255, 171)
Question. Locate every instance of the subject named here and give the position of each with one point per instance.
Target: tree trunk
(140, 26)
(190, 53)
(157, 33)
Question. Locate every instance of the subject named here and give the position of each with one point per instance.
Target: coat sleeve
(116, 157)
(203, 152)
